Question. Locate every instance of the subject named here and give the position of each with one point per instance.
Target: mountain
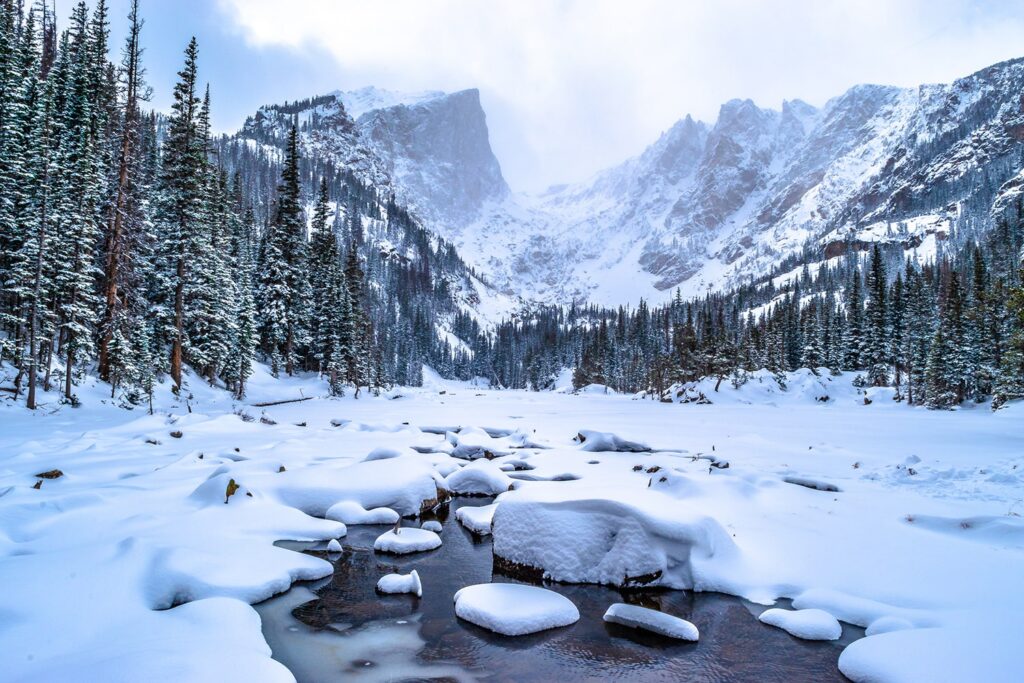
(707, 206)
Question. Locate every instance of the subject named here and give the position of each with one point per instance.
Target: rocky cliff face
(706, 206)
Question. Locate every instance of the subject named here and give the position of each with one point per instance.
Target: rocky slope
(706, 206)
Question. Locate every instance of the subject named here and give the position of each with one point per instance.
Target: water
(341, 629)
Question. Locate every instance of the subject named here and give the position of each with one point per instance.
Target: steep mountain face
(706, 206)
(429, 151)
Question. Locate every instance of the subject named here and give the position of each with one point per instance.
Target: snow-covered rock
(351, 512)
(809, 624)
(407, 540)
(333, 546)
(432, 525)
(595, 442)
(513, 609)
(383, 454)
(477, 519)
(480, 477)
(651, 620)
(607, 537)
(401, 583)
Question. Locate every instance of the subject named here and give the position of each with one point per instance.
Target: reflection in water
(342, 629)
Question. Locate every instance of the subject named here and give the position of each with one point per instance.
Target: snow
(401, 583)
(481, 477)
(809, 624)
(350, 512)
(132, 566)
(514, 610)
(407, 540)
(595, 442)
(432, 525)
(333, 546)
(477, 519)
(651, 620)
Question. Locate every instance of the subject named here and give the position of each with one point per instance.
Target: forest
(134, 244)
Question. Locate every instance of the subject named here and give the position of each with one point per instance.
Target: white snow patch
(407, 540)
(651, 620)
(809, 624)
(514, 610)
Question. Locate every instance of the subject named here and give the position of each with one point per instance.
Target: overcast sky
(570, 86)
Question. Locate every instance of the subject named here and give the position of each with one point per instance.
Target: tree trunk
(179, 304)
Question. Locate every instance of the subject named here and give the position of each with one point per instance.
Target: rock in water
(401, 583)
(512, 609)
(406, 540)
(432, 525)
(334, 546)
(651, 620)
(809, 624)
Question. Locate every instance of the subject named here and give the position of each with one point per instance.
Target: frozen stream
(341, 629)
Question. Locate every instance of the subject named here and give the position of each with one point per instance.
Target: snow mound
(477, 519)
(513, 609)
(471, 443)
(481, 477)
(432, 525)
(401, 583)
(333, 546)
(809, 624)
(382, 454)
(407, 540)
(351, 512)
(596, 538)
(887, 625)
(651, 620)
(606, 441)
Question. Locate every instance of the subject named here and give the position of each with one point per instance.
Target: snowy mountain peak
(363, 100)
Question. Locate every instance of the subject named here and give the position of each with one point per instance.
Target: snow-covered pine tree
(180, 210)
(284, 275)
(875, 345)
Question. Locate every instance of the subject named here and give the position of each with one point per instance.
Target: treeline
(127, 244)
(941, 333)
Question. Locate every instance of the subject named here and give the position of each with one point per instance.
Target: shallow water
(341, 629)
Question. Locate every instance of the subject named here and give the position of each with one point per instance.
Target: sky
(569, 86)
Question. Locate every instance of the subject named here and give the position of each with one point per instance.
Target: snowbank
(514, 610)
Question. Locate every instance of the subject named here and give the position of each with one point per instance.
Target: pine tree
(876, 322)
(180, 209)
(284, 280)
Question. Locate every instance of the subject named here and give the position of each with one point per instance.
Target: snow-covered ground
(141, 561)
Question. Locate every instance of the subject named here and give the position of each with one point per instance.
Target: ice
(513, 609)
(651, 620)
(809, 624)
(333, 546)
(481, 477)
(477, 519)
(407, 540)
(432, 525)
(401, 583)
(606, 441)
(351, 512)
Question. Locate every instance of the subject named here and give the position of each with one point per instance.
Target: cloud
(572, 86)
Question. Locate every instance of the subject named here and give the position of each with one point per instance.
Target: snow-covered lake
(132, 566)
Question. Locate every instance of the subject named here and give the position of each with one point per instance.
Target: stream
(340, 628)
